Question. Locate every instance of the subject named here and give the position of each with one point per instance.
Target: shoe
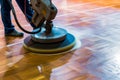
(15, 34)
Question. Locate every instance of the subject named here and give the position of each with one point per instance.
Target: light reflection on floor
(96, 23)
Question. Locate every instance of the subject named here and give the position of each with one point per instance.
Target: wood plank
(97, 26)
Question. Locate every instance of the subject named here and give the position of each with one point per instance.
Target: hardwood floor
(96, 23)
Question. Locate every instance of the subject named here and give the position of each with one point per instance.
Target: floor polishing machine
(46, 38)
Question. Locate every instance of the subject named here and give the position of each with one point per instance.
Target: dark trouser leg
(6, 19)
(26, 9)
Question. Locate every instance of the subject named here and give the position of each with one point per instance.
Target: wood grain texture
(97, 25)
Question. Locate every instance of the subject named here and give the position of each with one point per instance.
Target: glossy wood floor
(97, 25)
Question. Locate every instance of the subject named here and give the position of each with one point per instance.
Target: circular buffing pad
(50, 48)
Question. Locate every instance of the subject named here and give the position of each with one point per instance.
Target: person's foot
(15, 34)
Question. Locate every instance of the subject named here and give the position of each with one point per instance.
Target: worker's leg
(5, 13)
(26, 9)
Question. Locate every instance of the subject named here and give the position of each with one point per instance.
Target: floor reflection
(97, 25)
(36, 66)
